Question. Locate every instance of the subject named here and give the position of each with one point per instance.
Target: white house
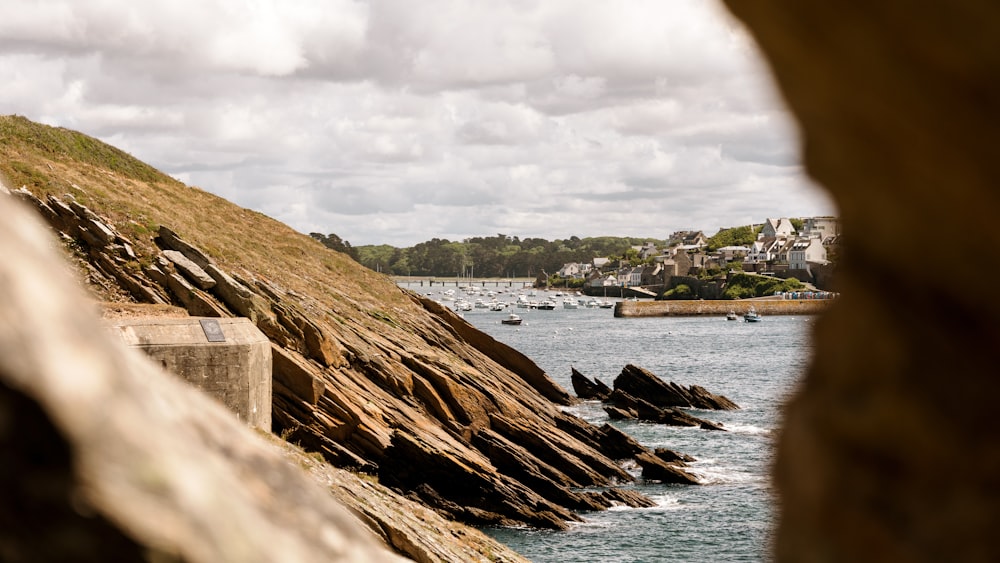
(632, 276)
(776, 228)
(570, 270)
(806, 250)
(763, 250)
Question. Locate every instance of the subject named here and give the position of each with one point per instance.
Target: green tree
(681, 291)
(734, 236)
(742, 286)
(334, 242)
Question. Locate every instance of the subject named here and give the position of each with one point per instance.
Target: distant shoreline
(766, 307)
(437, 281)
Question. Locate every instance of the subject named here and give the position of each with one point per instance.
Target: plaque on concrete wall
(213, 332)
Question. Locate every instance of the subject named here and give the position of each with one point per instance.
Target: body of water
(731, 516)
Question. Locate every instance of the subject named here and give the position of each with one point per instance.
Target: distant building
(821, 227)
(777, 228)
(647, 250)
(764, 250)
(805, 250)
(572, 270)
(652, 275)
(597, 279)
(728, 254)
(693, 239)
(630, 276)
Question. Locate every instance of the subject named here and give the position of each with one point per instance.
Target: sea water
(731, 516)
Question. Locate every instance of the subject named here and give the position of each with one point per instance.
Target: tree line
(500, 256)
(505, 256)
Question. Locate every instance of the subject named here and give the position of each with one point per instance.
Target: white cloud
(390, 121)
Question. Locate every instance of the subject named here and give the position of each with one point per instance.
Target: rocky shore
(369, 377)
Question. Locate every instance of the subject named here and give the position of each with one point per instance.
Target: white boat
(605, 304)
(511, 319)
(570, 303)
(752, 316)
(731, 316)
(546, 305)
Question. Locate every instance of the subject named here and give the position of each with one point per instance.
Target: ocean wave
(748, 429)
(664, 502)
(708, 473)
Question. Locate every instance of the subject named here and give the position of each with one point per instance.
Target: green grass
(136, 199)
(58, 144)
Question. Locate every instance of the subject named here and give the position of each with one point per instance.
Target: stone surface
(640, 382)
(235, 371)
(172, 241)
(109, 458)
(587, 389)
(620, 405)
(897, 107)
(191, 271)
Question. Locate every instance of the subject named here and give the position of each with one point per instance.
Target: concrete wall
(694, 308)
(235, 369)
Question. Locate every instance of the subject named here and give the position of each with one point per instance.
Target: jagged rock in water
(672, 456)
(621, 405)
(639, 382)
(587, 389)
(654, 468)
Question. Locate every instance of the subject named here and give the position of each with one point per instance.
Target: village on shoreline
(783, 265)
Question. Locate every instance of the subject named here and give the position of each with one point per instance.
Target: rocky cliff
(376, 379)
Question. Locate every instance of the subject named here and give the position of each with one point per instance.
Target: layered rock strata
(413, 395)
(107, 458)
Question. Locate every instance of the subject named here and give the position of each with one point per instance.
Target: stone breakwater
(708, 308)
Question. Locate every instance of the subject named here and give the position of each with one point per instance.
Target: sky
(397, 121)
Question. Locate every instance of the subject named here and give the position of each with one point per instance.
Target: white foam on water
(666, 502)
(708, 473)
(748, 429)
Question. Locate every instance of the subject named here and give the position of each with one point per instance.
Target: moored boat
(511, 319)
(752, 316)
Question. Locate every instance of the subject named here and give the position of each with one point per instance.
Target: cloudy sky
(397, 121)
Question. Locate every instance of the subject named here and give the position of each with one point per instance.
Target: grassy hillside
(365, 374)
(138, 199)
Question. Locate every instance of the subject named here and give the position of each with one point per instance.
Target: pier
(520, 283)
(765, 307)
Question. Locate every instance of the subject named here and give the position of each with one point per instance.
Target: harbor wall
(709, 308)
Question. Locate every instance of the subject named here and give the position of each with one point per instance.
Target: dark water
(755, 365)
